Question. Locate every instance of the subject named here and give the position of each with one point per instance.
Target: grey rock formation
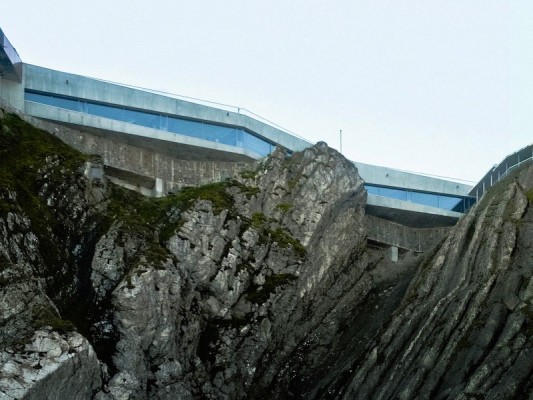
(464, 329)
(211, 319)
(50, 366)
(49, 214)
(259, 287)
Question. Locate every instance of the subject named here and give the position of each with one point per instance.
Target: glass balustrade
(446, 202)
(230, 135)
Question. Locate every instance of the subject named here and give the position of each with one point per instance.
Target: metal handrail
(491, 178)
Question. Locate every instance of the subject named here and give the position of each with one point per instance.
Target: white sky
(440, 87)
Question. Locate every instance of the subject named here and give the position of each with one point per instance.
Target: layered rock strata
(464, 329)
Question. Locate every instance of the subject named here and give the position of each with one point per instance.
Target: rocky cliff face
(209, 317)
(464, 329)
(259, 287)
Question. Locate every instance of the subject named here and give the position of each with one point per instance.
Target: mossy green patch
(285, 240)
(284, 207)
(249, 191)
(249, 174)
(142, 214)
(24, 150)
(292, 182)
(45, 317)
(25, 154)
(258, 220)
(35, 167)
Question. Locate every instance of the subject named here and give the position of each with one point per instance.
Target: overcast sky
(440, 87)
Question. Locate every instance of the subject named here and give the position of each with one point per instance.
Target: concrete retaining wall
(405, 237)
(175, 173)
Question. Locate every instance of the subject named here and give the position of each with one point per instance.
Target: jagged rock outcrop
(216, 308)
(258, 287)
(49, 219)
(465, 327)
(51, 366)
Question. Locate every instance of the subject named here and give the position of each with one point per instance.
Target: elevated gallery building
(161, 143)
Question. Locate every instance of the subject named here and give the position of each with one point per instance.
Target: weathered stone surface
(212, 319)
(262, 287)
(464, 328)
(51, 366)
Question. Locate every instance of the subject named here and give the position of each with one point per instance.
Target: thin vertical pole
(340, 136)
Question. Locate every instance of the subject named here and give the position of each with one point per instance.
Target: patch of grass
(278, 235)
(249, 174)
(38, 167)
(157, 254)
(292, 183)
(216, 193)
(26, 154)
(285, 240)
(140, 213)
(135, 208)
(289, 162)
(47, 318)
(249, 191)
(259, 295)
(258, 220)
(284, 207)
(25, 149)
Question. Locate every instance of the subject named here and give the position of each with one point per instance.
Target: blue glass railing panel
(399, 194)
(142, 118)
(104, 111)
(450, 203)
(68, 104)
(427, 199)
(445, 202)
(256, 145)
(220, 134)
(229, 135)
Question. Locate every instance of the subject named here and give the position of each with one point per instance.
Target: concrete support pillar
(12, 93)
(394, 254)
(158, 188)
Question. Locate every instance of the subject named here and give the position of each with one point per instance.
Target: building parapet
(47, 81)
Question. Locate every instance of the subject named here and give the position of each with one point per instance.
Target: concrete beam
(410, 214)
(187, 147)
(62, 83)
(390, 177)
